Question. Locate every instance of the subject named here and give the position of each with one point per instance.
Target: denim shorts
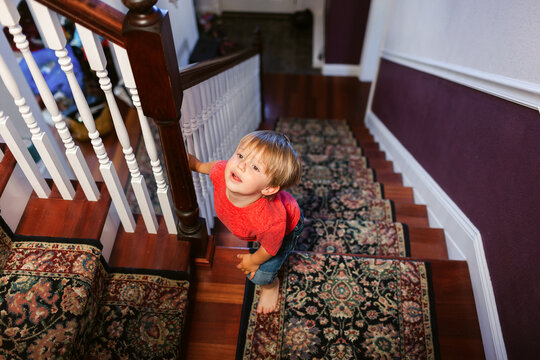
(268, 270)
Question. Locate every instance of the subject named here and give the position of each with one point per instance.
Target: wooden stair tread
(427, 243)
(411, 214)
(225, 238)
(381, 164)
(457, 321)
(161, 251)
(403, 194)
(389, 178)
(215, 319)
(7, 165)
(59, 218)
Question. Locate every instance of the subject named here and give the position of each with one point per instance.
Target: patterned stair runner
(336, 303)
(58, 300)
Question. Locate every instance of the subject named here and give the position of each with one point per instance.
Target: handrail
(206, 69)
(87, 13)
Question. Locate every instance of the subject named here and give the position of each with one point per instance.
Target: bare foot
(269, 297)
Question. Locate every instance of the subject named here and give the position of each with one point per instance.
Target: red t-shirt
(266, 221)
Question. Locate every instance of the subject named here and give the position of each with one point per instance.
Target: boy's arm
(251, 262)
(198, 166)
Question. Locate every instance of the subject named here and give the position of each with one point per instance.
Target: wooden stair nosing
(161, 251)
(7, 165)
(427, 243)
(71, 219)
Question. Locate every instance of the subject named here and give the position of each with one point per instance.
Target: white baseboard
(463, 240)
(340, 70)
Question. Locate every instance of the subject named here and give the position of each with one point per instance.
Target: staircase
(61, 299)
(219, 292)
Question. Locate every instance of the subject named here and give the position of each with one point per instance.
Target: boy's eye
(255, 168)
(240, 156)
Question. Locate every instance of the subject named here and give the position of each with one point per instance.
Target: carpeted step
(141, 316)
(347, 140)
(6, 236)
(340, 151)
(299, 127)
(342, 236)
(358, 188)
(324, 168)
(49, 294)
(346, 206)
(344, 307)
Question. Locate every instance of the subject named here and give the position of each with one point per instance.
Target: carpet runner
(141, 316)
(58, 300)
(49, 295)
(337, 302)
(344, 307)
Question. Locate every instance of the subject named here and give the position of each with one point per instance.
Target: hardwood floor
(216, 314)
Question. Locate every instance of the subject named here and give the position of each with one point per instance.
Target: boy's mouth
(235, 177)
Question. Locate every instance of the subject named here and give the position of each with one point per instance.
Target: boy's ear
(270, 190)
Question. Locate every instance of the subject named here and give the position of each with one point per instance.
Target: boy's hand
(247, 266)
(198, 166)
(193, 162)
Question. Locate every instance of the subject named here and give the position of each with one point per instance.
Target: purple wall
(346, 22)
(485, 153)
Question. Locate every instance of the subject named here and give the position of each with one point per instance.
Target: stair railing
(223, 102)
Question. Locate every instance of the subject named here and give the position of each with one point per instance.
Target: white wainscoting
(463, 240)
(340, 70)
(518, 91)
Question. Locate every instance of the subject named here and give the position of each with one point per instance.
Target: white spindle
(10, 18)
(40, 139)
(24, 159)
(98, 63)
(163, 192)
(55, 40)
(195, 145)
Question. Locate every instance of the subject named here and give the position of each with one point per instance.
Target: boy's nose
(242, 165)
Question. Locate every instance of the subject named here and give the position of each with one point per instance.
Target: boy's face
(245, 174)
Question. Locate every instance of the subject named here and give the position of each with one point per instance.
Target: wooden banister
(150, 47)
(95, 15)
(209, 68)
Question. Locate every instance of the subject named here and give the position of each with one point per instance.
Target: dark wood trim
(151, 51)
(95, 15)
(209, 68)
(6, 167)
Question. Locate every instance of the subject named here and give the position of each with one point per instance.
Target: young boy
(250, 201)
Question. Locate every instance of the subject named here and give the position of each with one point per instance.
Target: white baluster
(163, 192)
(10, 18)
(96, 58)
(55, 40)
(40, 139)
(24, 159)
(196, 146)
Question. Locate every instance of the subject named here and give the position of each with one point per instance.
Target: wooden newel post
(151, 51)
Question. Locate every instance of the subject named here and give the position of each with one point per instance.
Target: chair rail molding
(521, 92)
(463, 239)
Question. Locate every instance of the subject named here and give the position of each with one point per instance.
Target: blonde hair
(275, 151)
